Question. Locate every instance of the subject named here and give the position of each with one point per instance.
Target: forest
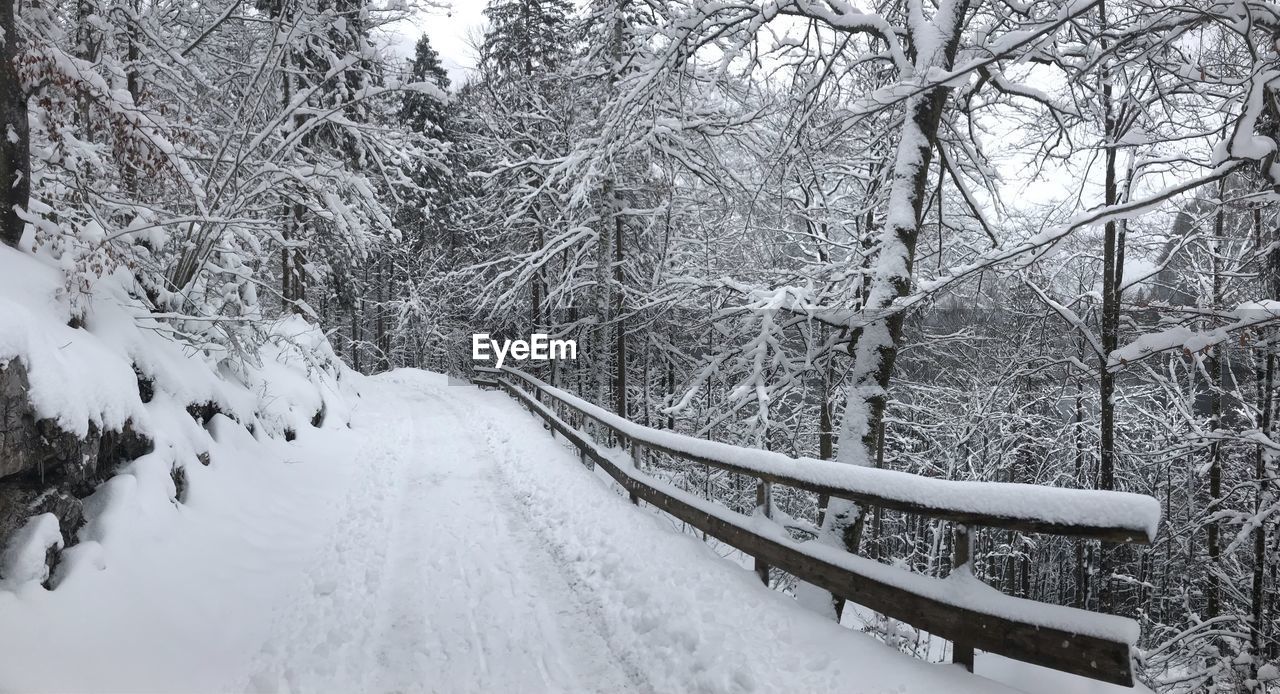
(1030, 241)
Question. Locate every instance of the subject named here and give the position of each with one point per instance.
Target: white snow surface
(443, 542)
(86, 375)
(23, 558)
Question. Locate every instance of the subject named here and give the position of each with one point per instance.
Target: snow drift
(93, 388)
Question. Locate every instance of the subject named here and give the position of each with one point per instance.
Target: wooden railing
(959, 607)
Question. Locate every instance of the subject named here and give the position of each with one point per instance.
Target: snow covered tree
(525, 37)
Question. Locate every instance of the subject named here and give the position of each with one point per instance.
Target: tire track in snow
(320, 641)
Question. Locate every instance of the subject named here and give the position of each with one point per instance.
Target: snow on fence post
(638, 456)
(962, 558)
(628, 445)
(582, 426)
(764, 507)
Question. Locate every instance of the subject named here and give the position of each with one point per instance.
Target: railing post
(537, 396)
(764, 504)
(962, 558)
(628, 445)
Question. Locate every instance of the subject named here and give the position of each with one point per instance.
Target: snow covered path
(432, 580)
(444, 542)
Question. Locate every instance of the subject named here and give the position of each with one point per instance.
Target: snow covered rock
(17, 426)
(28, 556)
(45, 470)
(20, 502)
(33, 446)
(85, 396)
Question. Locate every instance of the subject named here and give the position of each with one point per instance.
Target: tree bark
(1266, 390)
(1112, 278)
(619, 331)
(875, 346)
(15, 136)
(1213, 366)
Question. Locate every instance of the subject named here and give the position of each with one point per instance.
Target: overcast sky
(450, 32)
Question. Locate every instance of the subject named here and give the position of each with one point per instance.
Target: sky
(450, 30)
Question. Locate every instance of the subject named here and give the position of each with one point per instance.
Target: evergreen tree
(421, 112)
(423, 216)
(525, 36)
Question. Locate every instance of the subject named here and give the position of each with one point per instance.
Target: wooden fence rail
(959, 608)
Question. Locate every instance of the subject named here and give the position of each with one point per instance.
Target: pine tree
(422, 112)
(525, 36)
(424, 214)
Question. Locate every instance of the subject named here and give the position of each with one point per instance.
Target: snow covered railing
(1100, 515)
(959, 607)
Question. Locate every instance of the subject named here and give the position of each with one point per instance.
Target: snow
(443, 542)
(160, 596)
(74, 378)
(430, 577)
(86, 375)
(671, 607)
(148, 566)
(1031, 678)
(422, 536)
(1246, 315)
(1134, 512)
(23, 560)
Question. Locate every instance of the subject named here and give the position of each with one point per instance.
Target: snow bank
(76, 378)
(84, 375)
(23, 561)
(142, 597)
(118, 369)
(161, 596)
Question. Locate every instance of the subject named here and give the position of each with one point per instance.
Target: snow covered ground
(443, 542)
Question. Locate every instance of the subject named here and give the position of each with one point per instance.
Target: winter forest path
(432, 578)
(475, 554)
(443, 542)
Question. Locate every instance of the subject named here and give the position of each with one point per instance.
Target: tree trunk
(1213, 366)
(1112, 279)
(609, 274)
(1266, 386)
(535, 283)
(619, 331)
(15, 137)
(384, 339)
(875, 346)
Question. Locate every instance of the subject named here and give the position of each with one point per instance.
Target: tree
(525, 37)
(424, 212)
(15, 157)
